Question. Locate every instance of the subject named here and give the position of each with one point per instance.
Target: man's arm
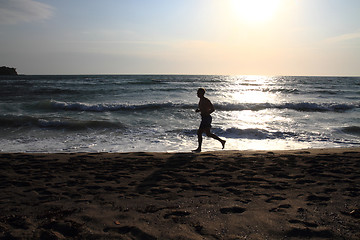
(210, 107)
(198, 108)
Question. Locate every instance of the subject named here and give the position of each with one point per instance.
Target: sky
(227, 37)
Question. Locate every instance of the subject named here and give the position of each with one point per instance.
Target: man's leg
(209, 134)
(199, 133)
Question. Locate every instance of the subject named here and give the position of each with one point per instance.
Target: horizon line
(179, 74)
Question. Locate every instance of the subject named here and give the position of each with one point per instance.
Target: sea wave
(353, 130)
(106, 107)
(302, 106)
(238, 133)
(282, 90)
(254, 133)
(12, 121)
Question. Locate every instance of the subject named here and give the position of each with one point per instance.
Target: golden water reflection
(253, 97)
(257, 122)
(253, 89)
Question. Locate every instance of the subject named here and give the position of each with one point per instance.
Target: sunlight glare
(255, 11)
(250, 89)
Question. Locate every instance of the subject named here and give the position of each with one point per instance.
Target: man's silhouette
(205, 108)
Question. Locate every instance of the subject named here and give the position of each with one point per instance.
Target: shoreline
(311, 150)
(228, 194)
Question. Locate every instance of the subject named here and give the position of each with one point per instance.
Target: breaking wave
(250, 133)
(354, 130)
(104, 107)
(71, 125)
(302, 106)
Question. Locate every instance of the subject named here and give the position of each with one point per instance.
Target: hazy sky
(286, 37)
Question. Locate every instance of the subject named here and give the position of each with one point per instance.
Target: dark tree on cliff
(7, 71)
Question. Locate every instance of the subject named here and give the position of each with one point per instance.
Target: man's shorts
(205, 122)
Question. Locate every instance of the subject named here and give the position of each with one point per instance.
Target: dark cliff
(7, 71)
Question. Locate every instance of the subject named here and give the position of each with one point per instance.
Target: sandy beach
(296, 194)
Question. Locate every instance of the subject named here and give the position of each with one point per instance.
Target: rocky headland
(7, 71)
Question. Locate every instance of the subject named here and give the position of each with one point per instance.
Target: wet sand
(212, 195)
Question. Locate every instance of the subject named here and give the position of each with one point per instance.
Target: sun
(255, 11)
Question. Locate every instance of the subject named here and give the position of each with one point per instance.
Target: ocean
(128, 113)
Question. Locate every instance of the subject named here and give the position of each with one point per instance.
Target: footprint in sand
(232, 210)
(280, 208)
(314, 198)
(176, 214)
(308, 233)
(134, 232)
(274, 198)
(306, 224)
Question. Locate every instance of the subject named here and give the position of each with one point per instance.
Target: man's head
(201, 92)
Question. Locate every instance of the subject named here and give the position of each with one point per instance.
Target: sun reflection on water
(257, 125)
(253, 89)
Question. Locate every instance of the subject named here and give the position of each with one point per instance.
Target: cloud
(18, 11)
(344, 37)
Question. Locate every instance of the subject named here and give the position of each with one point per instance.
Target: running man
(205, 108)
